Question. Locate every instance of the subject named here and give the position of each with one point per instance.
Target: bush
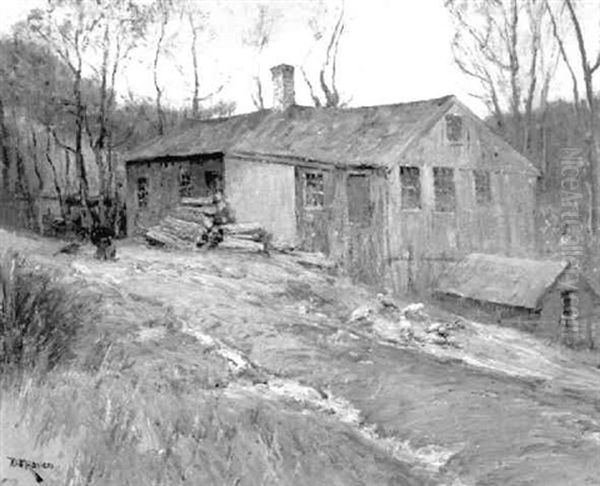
(39, 318)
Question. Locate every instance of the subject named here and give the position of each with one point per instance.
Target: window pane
(185, 183)
(359, 203)
(410, 182)
(142, 192)
(213, 181)
(483, 190)
(445, 194)
(454, 128)
(314, 193)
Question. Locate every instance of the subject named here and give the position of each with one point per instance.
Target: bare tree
(4, 150)
(258, 36)
(66, 29)
(161, 12)
(197, 17)
(506, 47)
(325, 91)
(587, 115)
(195, 27)
(92, 38)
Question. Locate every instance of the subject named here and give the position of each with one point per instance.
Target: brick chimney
(283, 86)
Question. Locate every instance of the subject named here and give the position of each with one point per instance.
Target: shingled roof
(517, 282)
(350, 136)
(199, 137)
(374, 136)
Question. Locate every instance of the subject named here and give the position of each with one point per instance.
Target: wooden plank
(243, 229)
(197, 201)
(193, 215)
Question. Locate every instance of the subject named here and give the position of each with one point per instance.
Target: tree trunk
(5, 151)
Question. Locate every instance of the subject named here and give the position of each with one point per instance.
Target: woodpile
(206, 222)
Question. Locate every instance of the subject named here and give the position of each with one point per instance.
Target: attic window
(185, 183)
(483, 189)
(142, 192)
(359, 204)
(569, 312)
(314, 190)
(454, 128)
(410, 182)
(445, 192)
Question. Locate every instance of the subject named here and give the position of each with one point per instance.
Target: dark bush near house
(39, 318)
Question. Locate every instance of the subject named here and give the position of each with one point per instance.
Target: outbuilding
(546, 297)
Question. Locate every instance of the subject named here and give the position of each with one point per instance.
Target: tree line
(515, 52)
(65, 117)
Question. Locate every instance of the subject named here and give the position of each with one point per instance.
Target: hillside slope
(227, 367)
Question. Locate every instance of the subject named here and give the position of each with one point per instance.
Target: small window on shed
(142, 192)
(445, 192)
(454, 128)
(410, 182)
(185, 183)
(359, 202)
(314, 190)
(569, 310)
(483, 189)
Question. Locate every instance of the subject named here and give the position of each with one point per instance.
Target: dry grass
(108, 407)
(39, 318)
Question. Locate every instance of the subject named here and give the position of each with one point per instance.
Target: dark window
(185, 183)
(314, 190)
(454, 128)
(483, 189)
(142, 192)
(445, 192)
(569, 308)
(359, 202)
(213, 180)
(410, 181)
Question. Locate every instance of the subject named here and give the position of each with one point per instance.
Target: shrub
(39, 318)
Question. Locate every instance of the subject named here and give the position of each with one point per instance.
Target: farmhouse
(546, 297)
(394, 193)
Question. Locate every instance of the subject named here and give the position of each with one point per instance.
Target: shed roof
(199, 137)
(516, 282)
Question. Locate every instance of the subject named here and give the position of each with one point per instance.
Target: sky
(392, 51)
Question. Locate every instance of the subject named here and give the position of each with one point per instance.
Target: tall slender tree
(327, 25)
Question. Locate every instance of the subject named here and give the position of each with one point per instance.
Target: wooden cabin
(545, 297)
(394, 193)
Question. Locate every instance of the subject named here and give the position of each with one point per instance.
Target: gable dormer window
(454, 128)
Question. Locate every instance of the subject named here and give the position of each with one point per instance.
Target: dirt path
(499, 409)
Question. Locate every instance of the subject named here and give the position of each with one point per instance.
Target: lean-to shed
(546, 297)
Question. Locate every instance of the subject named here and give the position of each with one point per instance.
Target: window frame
(185, 191)
(320, 192)
(447, 120)
(419, 197)
(436, 189)
(142, 202)
(488, 199)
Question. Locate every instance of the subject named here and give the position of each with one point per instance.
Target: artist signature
(30, 466)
